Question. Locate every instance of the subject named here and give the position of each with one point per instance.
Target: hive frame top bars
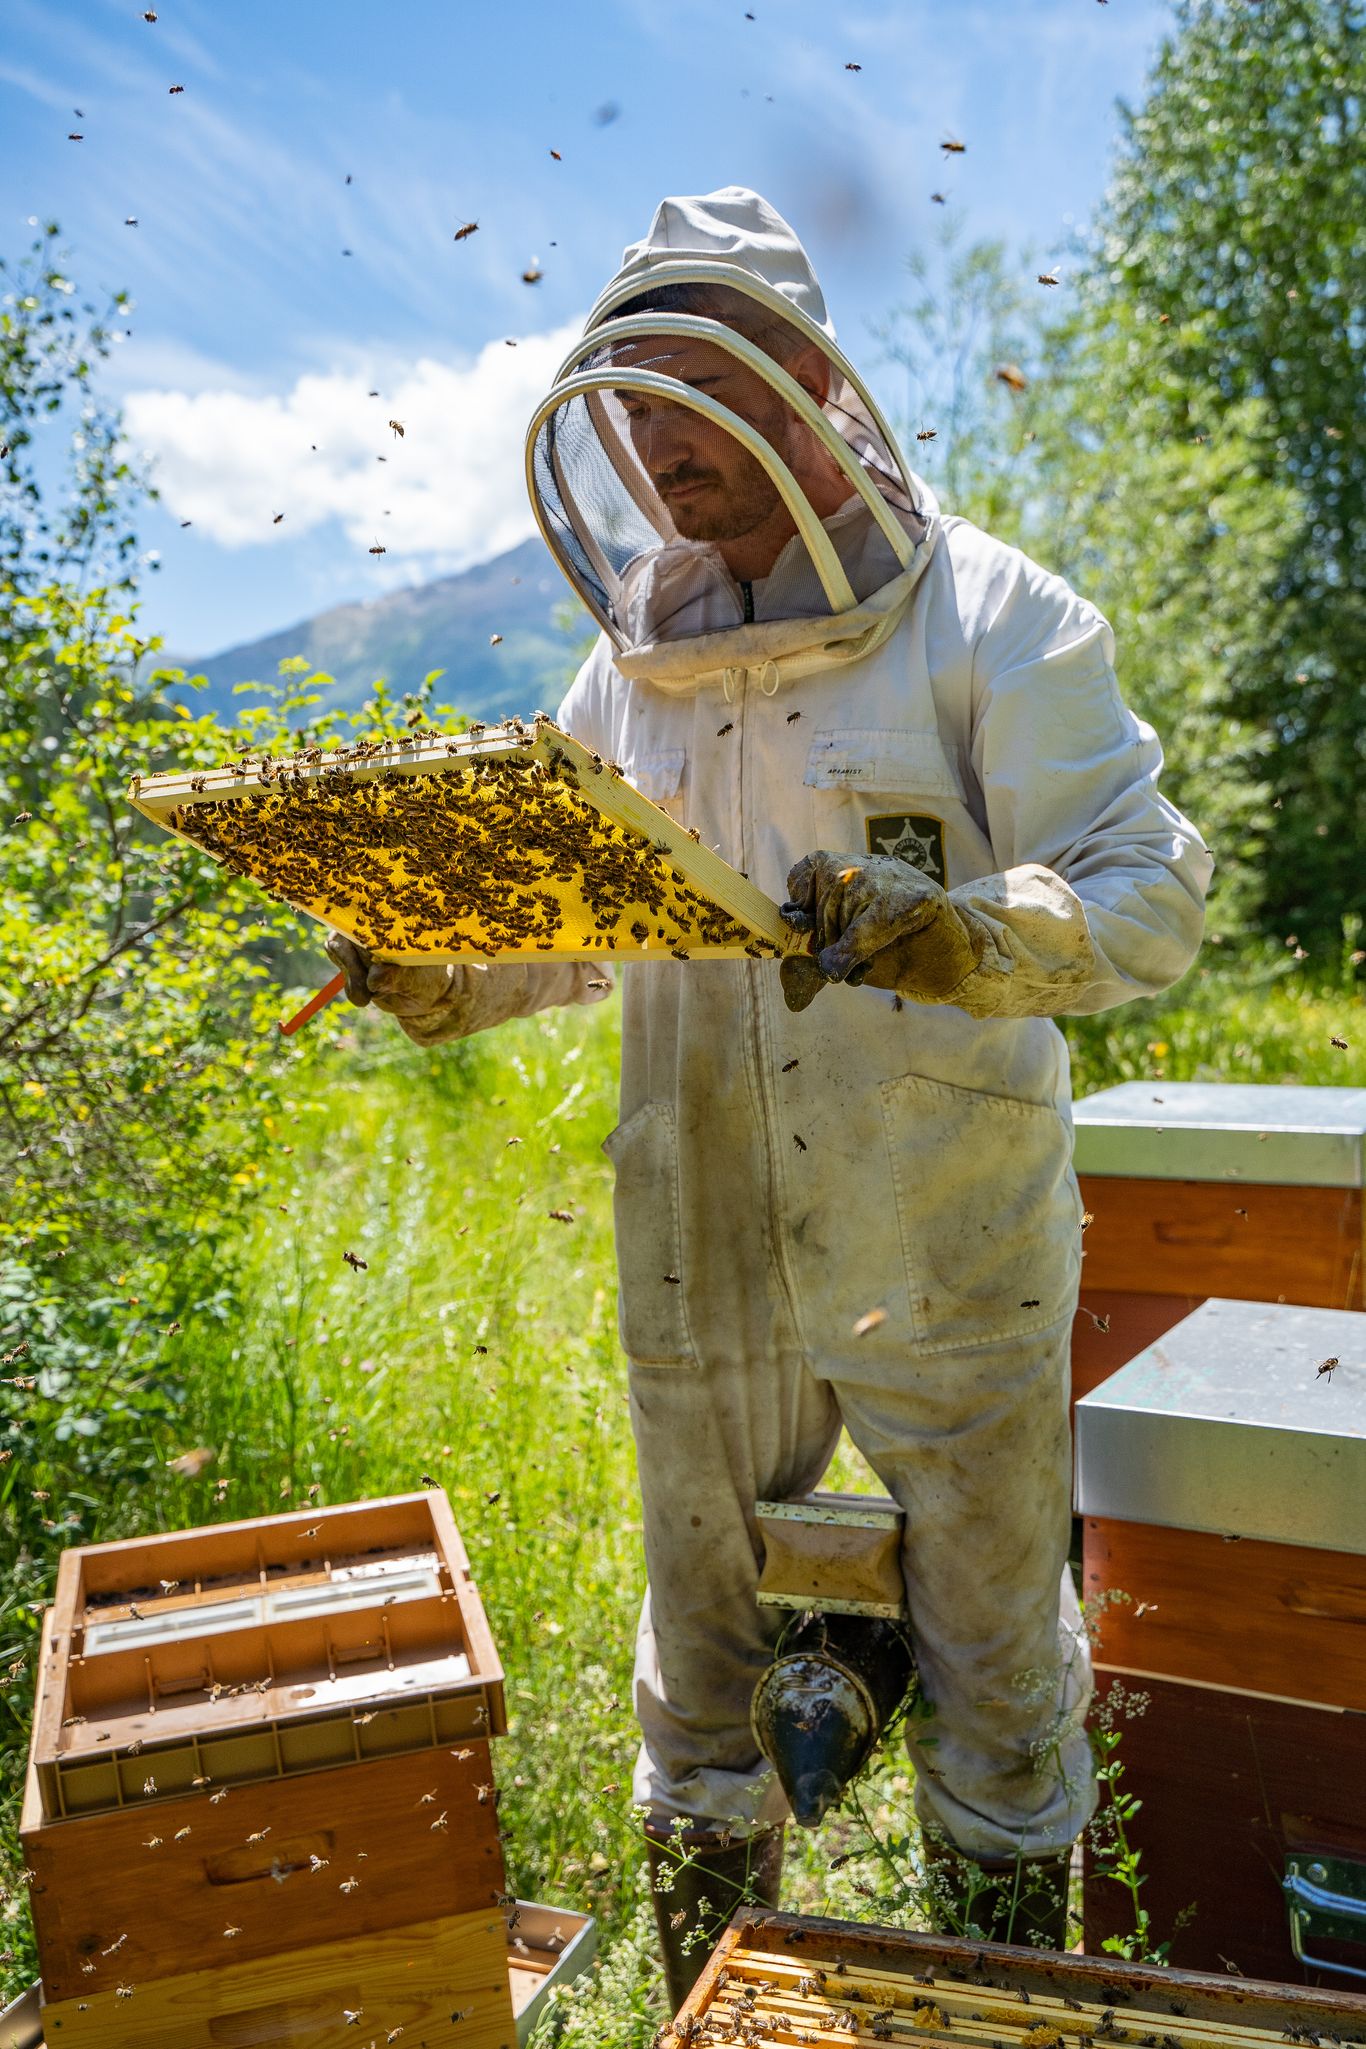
(597, 797)
(843, 1983)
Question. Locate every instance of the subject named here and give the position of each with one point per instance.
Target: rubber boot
(1017, 1900)
(706, 1876)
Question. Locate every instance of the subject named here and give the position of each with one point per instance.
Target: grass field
(478, 1347)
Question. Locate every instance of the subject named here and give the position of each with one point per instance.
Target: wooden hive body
(515, 843)
(1222, 1483)
(253, 1742)
(787, 1978)
(1197, 1189)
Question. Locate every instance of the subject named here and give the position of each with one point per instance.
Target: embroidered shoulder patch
(910, 837)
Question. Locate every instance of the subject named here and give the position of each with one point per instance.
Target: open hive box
(255, 1650)
(783, 1978)
(260, 1788)
(511, 842)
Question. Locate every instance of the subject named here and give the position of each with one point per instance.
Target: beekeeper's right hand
(416, 996)
(453, 999)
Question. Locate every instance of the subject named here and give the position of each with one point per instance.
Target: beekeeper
(913, 734)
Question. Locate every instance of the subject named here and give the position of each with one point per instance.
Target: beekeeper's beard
(708, 504)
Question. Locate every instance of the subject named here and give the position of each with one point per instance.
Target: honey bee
(952, 148)
(729, 727)
(1049, 277)
(800, 1143)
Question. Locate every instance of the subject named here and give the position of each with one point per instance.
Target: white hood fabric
(732, 226)
(780, 1175)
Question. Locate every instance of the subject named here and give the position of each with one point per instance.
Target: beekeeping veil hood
(708, 403)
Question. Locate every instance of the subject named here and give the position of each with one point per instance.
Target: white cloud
(451, 487)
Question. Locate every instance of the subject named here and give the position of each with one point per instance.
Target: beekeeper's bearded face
(715, 490)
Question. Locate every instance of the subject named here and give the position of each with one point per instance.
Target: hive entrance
(506, 844)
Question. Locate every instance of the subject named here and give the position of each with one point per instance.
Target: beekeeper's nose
(667, 439)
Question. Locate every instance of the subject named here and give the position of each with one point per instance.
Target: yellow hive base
(439, 1981)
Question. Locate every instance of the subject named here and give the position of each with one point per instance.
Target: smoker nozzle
(823, 1703)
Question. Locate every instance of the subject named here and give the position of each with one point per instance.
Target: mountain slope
(447, 624)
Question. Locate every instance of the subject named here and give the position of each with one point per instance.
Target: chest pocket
(658, 776)
(886, 761)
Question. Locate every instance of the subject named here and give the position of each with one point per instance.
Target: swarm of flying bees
(490, 855)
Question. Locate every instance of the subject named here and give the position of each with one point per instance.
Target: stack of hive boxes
(1195, 1189)
(260, 1801)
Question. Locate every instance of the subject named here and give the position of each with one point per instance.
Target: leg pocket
(651, 1310)
(989, 1211)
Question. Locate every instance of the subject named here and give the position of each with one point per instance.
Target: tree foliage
(1222, 309)
(141, 1076)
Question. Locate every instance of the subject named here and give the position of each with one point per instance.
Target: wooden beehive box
(256, 1739)
(1203, 1188)
(785, 1978)
(510, 843)
(430, 1983)
(1222, 1483)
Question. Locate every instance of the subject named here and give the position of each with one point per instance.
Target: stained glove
(404, 992)
(875, 919)
(454, 999)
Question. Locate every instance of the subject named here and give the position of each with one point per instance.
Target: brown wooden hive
(260, 1786)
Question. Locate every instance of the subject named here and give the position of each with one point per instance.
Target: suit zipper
(768, 1108)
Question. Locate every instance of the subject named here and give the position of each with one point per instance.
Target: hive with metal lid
(1222, 1485)
(1202, 1188)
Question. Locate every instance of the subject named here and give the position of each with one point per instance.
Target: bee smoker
(845, 1665)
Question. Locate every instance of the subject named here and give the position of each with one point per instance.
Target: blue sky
(256, 342)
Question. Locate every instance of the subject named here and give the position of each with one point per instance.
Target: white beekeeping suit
(898, 684)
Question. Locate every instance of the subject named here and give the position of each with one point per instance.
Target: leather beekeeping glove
(418, 997)
(454, 999)
(875, 919)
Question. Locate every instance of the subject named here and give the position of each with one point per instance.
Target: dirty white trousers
(974, 1447)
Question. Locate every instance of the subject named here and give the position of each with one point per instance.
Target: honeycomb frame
(507, 842)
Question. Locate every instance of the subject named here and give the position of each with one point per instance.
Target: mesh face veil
(707, 457)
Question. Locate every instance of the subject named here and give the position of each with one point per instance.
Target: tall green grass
(477, 1347)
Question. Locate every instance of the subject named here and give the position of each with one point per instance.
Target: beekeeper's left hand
(875, 919)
